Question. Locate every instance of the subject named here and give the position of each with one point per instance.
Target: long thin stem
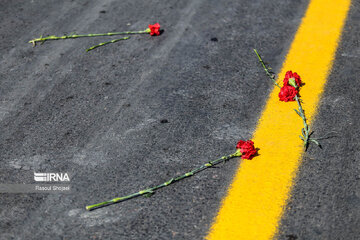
(151, 190)
(271, 76)
(305, 131)
(302, 114)
(104, 43)
(53, 37)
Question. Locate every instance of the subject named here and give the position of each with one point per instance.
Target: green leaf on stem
(168, 182)
(304, 133)
(302, 138)
(298, 112)
(147, 195)
(146, 191)
(316, 142)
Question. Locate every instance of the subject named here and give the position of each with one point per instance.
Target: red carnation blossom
(154, 29)
(247, 149)
(287, 93)
(295, 76)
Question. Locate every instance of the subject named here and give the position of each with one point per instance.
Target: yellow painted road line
(256, 198)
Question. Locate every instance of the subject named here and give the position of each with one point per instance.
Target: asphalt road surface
(135, 113)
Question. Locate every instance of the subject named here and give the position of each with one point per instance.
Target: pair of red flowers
(292, 82)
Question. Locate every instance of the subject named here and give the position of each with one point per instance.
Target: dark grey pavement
(100, 116)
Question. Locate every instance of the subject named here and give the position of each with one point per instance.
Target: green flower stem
(104, 43)
(150, 191)
(306, 130)
(271, 76)
(301, 111)
(53, 37)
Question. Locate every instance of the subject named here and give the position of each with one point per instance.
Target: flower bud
(294, 78)
(292, 82)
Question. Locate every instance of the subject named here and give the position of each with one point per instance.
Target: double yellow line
(257, 197)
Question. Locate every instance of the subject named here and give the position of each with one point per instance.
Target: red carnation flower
(295, 76)
(154, 29)
(287, 93)
(247, 149)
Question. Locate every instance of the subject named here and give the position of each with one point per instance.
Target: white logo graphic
(51, 177)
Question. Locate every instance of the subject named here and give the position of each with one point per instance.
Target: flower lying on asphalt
(245, 149)
(152, 30)
(290, 92)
